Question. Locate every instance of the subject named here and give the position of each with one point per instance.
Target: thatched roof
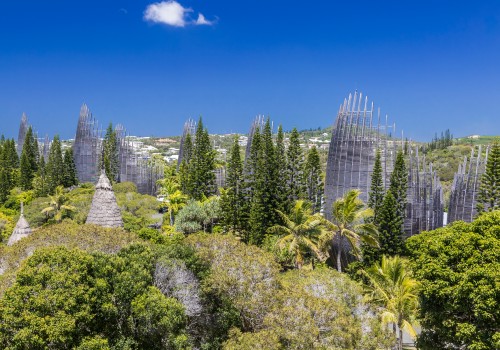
(21, 230)
(104, 210)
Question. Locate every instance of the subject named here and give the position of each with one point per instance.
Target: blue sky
(430, 65)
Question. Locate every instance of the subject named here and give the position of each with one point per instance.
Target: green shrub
(125, 187)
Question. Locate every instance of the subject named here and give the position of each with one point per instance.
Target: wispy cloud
(173, 14)
(203, 21)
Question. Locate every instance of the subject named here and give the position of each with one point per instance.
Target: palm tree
(57, 205)
(300, 230)
(391, 286)
(174, 199)
(175, 202)
(348, 224)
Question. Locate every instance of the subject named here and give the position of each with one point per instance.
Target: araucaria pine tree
(313, 179)
(392, 213)
(55, 165)
(251, 164)
(232, 198)
(390, 225)
(40, 183)
(69, 177)
(249, 182)
(9, 168)
(489, 190)
(295, 160)
(110, 156)
(201, 167)
(183, 167)
(376, 194)
(265, 198)
(281, 164)
(29, 161)
(399, 183)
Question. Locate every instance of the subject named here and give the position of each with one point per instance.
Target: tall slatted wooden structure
(257, 124)
(23, 129)
(87, 147)
(465, 186)
(142, 171)
(87, 150)
(189, 129)
(357, 134)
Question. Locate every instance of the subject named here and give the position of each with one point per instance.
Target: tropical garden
(258, 263)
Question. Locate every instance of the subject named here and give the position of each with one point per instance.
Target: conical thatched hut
(21, 230)
(104, 210)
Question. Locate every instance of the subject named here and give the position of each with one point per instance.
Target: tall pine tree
(265, 198)
(313, 179)
(295, 160)
(390, 229)
(399, 183)
(391, 213)
(232, 198)
(40, 183)
(251, 164)
(376, 194)
(28, 162)
(489, 190)
(201, 167)
(110, 156)
(55, 165)
(281, 164)
(184, 166)
(9, 168)
(69, 177)
(249, 181)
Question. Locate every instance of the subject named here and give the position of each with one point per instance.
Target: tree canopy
(459, 269)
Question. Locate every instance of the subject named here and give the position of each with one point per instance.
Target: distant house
(473, 137)
(172, 158)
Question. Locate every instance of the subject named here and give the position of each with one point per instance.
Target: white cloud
(167, 12)
(173, 14)
(203, 21)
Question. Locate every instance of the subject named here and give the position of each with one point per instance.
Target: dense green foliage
(61, 296)
(459, 268)
(489, 191)
(297, 310)
(101, 289)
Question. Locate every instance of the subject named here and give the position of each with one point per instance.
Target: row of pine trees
(31, 171)
(272, 178)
